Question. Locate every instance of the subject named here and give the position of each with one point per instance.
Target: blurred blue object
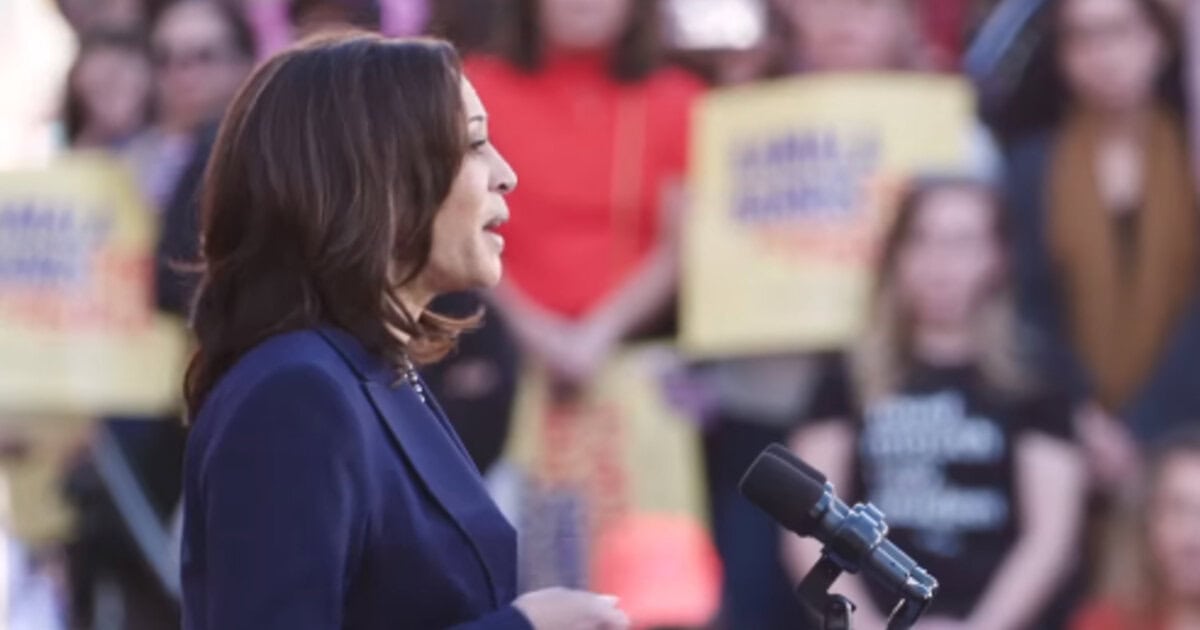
(1001, 49)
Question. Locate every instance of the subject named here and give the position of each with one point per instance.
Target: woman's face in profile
(951, 257)
(466, 246)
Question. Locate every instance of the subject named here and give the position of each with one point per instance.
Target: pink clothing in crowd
(402, 18)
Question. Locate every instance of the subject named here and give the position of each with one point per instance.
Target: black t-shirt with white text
(936, 458)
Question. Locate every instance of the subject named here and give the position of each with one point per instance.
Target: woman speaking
(352, 182)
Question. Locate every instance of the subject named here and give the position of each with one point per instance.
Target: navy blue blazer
(318, 496)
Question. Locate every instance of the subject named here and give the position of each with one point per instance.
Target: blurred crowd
(1024, 404)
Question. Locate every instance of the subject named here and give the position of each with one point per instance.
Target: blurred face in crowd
(466, 248)
(311, 17)
(951, 258)
(86, 16)
(852, 35)
(584, 24)
(1110, 53)
(198, 63)
(324, 17)
(1175, 526)
(114, 87)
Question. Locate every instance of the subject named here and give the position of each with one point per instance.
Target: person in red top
(599, 132)
(1160, 587)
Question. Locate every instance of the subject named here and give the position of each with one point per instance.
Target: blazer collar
(427, 440)
(372, 369)
(367, 366)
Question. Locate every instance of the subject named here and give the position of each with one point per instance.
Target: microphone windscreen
(788, 456)
(782, 490)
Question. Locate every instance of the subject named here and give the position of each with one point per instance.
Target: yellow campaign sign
(792, 183)
(78, 329)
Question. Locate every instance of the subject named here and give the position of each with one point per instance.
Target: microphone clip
(831, 611)
(824, 610)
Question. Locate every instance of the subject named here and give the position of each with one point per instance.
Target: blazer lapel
(429, 443)
(445, 470)
(437, 410)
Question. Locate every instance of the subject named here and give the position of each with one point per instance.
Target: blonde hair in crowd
(880, 361)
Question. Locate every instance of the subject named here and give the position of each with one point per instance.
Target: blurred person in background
(279, 22)
(936, 418)
(470, 24)
(108, 91)
(201, 50)
(855, 35)
(755, 401)
(1107, 232)
(90, 16)
(601, 130)
(1157, 581)
(309, 17)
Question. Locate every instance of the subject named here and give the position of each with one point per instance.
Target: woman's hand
(566, 609)
(538, 334)
(584, 349)
(689, 391)
(572, 351)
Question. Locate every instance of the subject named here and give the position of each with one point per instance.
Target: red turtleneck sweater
(592, 156)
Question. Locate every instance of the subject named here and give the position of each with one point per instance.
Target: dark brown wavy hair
(320, 198)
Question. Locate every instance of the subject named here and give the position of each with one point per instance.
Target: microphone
(799, 498)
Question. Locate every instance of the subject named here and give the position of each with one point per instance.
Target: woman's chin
(483, 274)
(487, 277)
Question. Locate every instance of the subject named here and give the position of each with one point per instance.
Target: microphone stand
(824, 610)
(831, 611)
